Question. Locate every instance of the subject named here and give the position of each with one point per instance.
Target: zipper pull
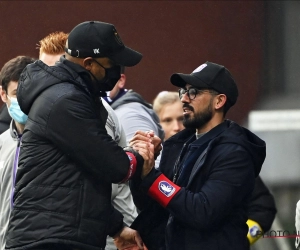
(175, 178)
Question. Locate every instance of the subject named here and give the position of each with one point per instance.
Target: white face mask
(15, 111)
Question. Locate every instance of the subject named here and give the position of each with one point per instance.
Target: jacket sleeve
(76, 128)
(229, 181)
(261, 207)
(123, 202)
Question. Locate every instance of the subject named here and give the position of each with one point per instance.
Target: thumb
(139, 242)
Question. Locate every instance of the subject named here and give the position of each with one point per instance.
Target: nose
(185, 98)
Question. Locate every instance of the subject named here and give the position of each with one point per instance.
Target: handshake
(145, 147)
(148, 146)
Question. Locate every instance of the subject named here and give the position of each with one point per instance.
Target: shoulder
(113, 125)
(7, 145)
(135, 106)
(134, 109)
(5, 136)
(112, 117)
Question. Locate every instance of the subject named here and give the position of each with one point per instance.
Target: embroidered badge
(130, 158)
(96, 51)
(254, 230)
(202, 66)
(166, 188)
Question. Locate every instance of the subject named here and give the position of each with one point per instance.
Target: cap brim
(127, 57)
(180, 80)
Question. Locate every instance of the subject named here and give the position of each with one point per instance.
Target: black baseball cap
(209, 76)
(98, 39)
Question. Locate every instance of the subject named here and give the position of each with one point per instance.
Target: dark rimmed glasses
(193, 92)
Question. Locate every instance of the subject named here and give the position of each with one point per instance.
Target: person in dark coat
(68, 162)
(261, 207)
(206, 174)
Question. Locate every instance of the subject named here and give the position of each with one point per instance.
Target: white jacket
(8, 145)
(297, 224)
(121, 196)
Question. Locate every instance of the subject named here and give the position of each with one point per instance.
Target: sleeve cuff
(163, 190)
(132, 167)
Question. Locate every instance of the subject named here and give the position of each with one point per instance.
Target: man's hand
(128, 239)
(146, 150)
(147, 137)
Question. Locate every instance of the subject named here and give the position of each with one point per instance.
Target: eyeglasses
(193, 92)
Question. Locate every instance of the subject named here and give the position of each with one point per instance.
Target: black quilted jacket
(67, 163)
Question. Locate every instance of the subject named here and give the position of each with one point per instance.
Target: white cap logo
(202, 66)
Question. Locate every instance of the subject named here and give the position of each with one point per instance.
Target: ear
(87, 63)
(220, 101)
(122, 81)
(3, 94)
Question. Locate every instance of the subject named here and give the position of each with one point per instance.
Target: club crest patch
(202, 66)
(254, 230)
(166, 188)
(130, 158)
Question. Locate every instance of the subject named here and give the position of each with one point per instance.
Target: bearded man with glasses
(197, 198)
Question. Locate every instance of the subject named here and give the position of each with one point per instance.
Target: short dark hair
(12, 70)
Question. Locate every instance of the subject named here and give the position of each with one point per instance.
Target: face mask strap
(11, 98)
(99, 63)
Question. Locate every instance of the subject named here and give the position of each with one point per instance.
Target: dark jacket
(5, 118)
(206, 202)
(262, 207)
(67, 162)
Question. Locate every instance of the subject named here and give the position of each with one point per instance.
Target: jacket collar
(13, 130)
(186, 134)
(213, 133)
(82, 73)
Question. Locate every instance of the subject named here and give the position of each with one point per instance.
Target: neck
(19, 127)
(215, 121)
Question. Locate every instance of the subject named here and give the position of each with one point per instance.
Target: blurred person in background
(52, 47)
(134, 112)
(11, 138)
(168, 107)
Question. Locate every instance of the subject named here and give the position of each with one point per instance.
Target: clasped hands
(148, 145)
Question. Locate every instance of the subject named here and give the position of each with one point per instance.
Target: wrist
(118, 233)
(132, 166)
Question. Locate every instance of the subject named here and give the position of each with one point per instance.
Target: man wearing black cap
(207, 171)
(67, 161)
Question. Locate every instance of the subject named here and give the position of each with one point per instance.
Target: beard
(199, 119)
